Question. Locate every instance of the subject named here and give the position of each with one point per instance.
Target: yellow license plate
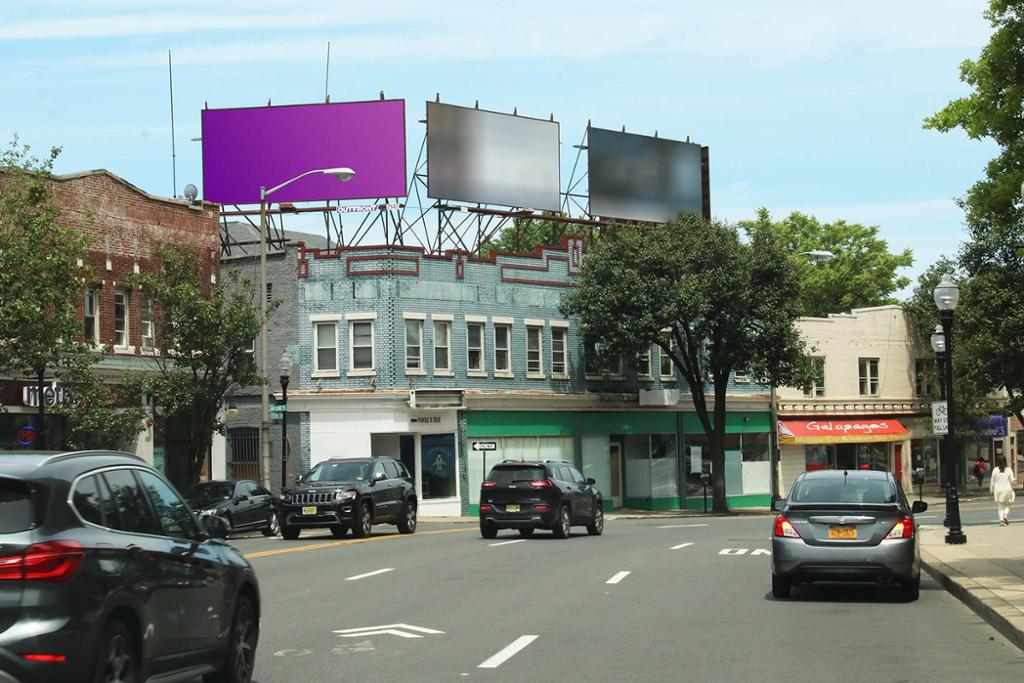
(842, 532)
(511, 508)
(309, 510)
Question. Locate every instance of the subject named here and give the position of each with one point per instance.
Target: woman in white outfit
(1001, 486)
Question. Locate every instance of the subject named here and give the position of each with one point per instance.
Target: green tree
(41, 279)
(526, 233)
(729, 303)
(101, 413)
(203, 342)
(863, 273)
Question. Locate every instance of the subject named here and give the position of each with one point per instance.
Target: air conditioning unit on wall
(447, 399)
(659, 397)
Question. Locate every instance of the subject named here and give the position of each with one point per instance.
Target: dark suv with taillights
(539, 495)
(106, 575)
(350, 493)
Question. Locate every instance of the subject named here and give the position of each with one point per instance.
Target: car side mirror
(380, 476)
(779, 505)
(591, 481)
(214, 526)
(241, 498)
(298, 479)
(918, 506)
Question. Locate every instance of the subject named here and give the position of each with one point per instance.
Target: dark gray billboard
(643, 178)
(482, 156)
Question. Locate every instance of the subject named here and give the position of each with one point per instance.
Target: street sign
(277, 411)
(485, 445)
(940, 418)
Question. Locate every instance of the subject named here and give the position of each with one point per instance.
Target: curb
(974, 601)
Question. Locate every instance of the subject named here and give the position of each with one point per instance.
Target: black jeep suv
(350, 493)
(105, 575)
(546, 495)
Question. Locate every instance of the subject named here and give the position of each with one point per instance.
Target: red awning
(841, 431)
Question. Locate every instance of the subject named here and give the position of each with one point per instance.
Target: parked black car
(539, 495)
(105, 575)
(350, 493)
(243, 505)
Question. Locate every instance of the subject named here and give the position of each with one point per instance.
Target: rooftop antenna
(327, 76)
(174, 156)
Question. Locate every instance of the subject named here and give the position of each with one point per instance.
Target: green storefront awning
(518, 423)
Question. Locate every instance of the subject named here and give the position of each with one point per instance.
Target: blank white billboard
(482, 156)
(642, 178)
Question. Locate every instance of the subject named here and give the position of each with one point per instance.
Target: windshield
(339, 471)
(850, 489)
(202, 495)
(503, 476)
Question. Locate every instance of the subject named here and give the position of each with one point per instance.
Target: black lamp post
(947, 296)
(286, 374)
(939, 347)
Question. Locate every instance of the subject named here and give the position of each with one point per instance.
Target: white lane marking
(682, 526)
(367, 574)
(733, 551)
(930, 526)
(761, 551)
(925, 516)
(506, 653)
(681, 545)
(618, 577)
(400, 630)
(518, 540)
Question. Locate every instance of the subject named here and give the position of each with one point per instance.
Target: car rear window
(15, 506)
(504, 476)
(848, 490)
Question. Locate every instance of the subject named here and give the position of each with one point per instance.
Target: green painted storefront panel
(518, 423)
(669, 503)
(628, 423)
(734, 423)
(735, 502)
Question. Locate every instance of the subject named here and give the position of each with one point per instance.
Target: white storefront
(384, 425)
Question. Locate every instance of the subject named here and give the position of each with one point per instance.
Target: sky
(806, 106)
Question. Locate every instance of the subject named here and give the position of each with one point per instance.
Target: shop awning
(841, 431)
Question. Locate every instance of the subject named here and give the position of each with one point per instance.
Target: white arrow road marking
(732, 551)
(681, 545)
(682, 526)
(618, 577)
(761, 551)
(400, 630)
(518, 540)
(506, 653)
(363, 576)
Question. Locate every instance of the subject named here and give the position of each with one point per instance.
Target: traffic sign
(277, 411)
(485, 445)
(940, 418)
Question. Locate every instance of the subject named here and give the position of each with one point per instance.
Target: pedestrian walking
(979, 470)
(1001, 486)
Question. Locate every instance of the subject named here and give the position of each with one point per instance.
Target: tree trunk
(720, 503)
(41, 411)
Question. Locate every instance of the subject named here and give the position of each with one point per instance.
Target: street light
(947, 296)
(286, 374)
(342, 173)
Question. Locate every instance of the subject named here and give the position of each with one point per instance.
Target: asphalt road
(651, 600)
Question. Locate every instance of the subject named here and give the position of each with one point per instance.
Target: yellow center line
(334, 544)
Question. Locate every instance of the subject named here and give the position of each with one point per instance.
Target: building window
(91, 315)
(361, 333)
(442, 346)
(616, 368)
(121, 318)
(666, 369)
(326, 347)
(270, 292)
(413, 344)
(597, 362)
(591, 362)
(534, 350)
(643, 364)
(148, 328)
(502, 333)
(742, 377)
(923, 373)
(559, 361)
(818, 388)
(868, 376)
(475, 347)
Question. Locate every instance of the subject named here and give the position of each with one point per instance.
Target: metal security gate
(244, 453)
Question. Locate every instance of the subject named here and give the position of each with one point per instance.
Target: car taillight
(783, 528)
(489, 484)
(541, 507)
(902, 529)
(45, 658)
(485, 508)
(55, 561)
(541, 484)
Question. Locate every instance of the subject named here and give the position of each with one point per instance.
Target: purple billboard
(246, 148)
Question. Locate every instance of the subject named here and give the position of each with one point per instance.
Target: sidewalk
(986, 573)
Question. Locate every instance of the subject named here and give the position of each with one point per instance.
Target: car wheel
(339, 530)
(596, 527)
(912, 589)
(780, 587)
(290, 533)
(488, 529)
(527, 532)
(407, 521)
(273, 526)
(364, 522)
(117, 661)
(241, 654)
(230, 524)
(563, 523)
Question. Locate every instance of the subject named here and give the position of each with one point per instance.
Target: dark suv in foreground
(350, 493)
(105, 575)
(539, 495)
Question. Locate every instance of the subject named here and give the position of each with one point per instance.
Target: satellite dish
(191, 192)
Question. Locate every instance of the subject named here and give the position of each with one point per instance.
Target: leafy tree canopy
(526, 233)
